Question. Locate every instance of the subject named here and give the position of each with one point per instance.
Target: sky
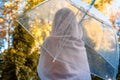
(116, 4)
(114, 7)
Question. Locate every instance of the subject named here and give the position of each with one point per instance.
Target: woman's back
(63, 55)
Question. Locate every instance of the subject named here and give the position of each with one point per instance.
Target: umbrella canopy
(99, 36)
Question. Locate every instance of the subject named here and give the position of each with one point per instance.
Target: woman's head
(65, 23)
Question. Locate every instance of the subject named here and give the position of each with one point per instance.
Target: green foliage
(9, 67)
(96, 78)
(23, 40)
(118, 76)
(21, 60)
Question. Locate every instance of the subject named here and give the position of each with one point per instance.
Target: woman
(63, 55)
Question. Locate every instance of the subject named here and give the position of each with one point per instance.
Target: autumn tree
(100, 4)
(2, 27)
(20, 60)
(10, 12)
(40, 30)
(32, 3)
(115, 18)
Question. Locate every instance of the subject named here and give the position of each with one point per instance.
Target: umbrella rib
(61, 46)
(41, 3)
(85, 13)
(91, 15)
(102, 23)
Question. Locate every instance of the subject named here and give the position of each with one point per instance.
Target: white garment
(66, 47)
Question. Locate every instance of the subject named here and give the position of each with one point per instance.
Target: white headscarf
(63, 55)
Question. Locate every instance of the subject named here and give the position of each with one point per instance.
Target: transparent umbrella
(99, 36)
